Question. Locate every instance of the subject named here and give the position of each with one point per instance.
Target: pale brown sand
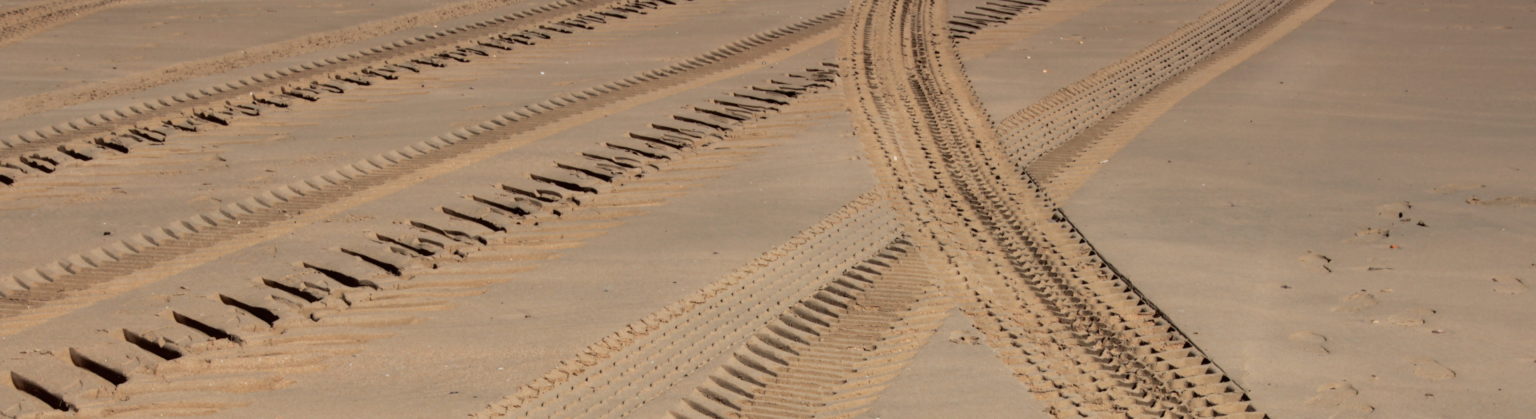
(1329, 149)
(1342, 221)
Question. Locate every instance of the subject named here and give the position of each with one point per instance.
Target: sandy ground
(714, 208)
(1339, 221)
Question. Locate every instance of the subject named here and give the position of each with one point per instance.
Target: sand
(1316, 215)
(727, 208)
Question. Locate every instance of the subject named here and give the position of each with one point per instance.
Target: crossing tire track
(634, 367)
(1068, 324)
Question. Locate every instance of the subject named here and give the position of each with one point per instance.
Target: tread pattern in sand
(629, 368)
(993, 13)
(1066, 167)
(548, 16)
(241, 219)
(244, 336)
(1071, 326)
(1031, 132)
(20, 23)
(832, 354)
(120, 131)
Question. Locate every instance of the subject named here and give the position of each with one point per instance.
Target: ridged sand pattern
(830, 355)
(37, 285)
(1068, 324)
(245, 338)
(49, 150)
(624, 371)
(813, 328)
(1031, 132)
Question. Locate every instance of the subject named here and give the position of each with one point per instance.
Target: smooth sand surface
(1339, 219)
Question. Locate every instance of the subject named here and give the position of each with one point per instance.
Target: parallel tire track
(255, 55)
(827, 355)
(46, 151)
(745, 386)
(243, 336)
(1068, 324)
(140, 252)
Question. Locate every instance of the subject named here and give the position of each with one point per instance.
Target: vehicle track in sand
(22, 22)
(810, 329)
(1069, 325)
(831, 355)
(46, 151)
(1068, 166)
(205, 236)
(237, 335)
(36, 103)
(781, 369)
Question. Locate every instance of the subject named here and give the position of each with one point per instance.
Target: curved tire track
(1071, 326)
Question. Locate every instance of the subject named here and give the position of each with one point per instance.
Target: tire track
(1062, 318)
(46, 151)
(205, 236)
(243, 336)
(992, 13)
(1031, 132)
(260, 54)
(20, 23)
(1000, 36)
(830, 356)
(648, 369)
(724, 394)
(1066, 168)
(655, 354)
